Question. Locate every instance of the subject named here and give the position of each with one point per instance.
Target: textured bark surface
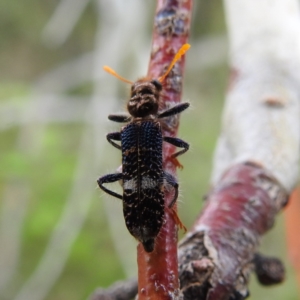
(158, 271)
(217, 256)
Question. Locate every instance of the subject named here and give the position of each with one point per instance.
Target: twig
(158, 270)
(269, 270)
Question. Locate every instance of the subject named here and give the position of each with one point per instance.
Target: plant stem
(158, 270)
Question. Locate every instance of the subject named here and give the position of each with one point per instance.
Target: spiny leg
(108, 179)
(120, 118)
(177, 219)
(114, 136)
(178, 143)
(170, 179)
(174, 110)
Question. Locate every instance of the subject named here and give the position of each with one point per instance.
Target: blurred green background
(60, 237)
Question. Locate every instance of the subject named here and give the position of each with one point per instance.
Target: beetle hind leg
(114, 136)
(177, 219)
(171, 180)
(108, 179)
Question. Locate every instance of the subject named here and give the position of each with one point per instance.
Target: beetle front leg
(114, 136)
(174, 110)
(108, 179)
(120, 118)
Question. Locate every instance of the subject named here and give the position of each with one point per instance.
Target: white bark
(261, 117)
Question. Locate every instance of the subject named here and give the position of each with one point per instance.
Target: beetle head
(144, 98)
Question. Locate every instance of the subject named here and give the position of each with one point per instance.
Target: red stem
(158, 271)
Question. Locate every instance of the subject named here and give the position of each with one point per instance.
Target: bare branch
(158, 270)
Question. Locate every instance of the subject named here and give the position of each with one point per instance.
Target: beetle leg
(177, 219)
(114, 136)
(178, 143)
(108, 179)
(174, 110)
(119, 118)
(171, 180)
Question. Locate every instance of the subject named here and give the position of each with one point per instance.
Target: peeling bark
(216, 256)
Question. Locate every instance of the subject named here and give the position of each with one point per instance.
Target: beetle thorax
(144, 99)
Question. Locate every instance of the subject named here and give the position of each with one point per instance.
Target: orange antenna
(178, 55)
(112, 72)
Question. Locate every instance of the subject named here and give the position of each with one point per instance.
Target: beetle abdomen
(143, 180)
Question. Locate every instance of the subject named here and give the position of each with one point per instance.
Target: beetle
(142, 175)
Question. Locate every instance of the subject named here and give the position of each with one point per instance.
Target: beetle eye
(157, 84)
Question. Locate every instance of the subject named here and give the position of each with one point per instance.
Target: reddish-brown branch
(158, 271)
(216, 257)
